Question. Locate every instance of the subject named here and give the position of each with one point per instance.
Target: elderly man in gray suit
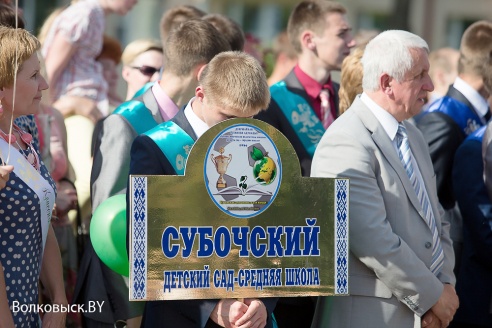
(401, 258)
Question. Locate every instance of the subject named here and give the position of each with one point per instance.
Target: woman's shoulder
(81, 15)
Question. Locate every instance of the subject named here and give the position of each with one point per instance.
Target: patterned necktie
(406, 156)
(326, 115)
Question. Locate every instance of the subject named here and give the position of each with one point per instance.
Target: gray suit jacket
(112, 158)
(390, 241)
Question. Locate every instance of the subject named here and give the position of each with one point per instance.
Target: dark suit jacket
(274, 116)
(444, 136)
(474, 284)
(148, 159)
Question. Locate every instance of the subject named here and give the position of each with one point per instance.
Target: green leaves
(243, 184)
(256, 154)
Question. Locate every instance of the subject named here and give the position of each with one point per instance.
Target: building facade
(440, 22)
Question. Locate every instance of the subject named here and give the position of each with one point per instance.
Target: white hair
(389, 52)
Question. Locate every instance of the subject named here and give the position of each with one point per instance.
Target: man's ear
(199, 71)
(199, 94)
(307, 40)
(385, 83)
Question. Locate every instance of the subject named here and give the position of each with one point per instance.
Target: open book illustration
(243, 189)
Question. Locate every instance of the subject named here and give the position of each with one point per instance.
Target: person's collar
(389, 123)
(167, 107)
(478, 102)
(198, 126)
(311, 86)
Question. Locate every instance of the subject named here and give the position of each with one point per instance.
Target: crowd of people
(408, 126)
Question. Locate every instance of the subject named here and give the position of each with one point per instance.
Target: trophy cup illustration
(221, 162)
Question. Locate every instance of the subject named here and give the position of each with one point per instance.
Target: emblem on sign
(249, 177)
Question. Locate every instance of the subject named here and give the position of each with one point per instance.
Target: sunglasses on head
(147, 70)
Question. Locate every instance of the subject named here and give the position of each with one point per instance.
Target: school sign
(241, 222)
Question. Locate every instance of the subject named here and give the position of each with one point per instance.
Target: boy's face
(335, 42)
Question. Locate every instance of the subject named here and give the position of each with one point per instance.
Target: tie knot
(324, 95)
(402, 131)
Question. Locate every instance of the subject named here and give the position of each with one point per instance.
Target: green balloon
(108, 233)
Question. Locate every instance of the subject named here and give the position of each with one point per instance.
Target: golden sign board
(241, 222)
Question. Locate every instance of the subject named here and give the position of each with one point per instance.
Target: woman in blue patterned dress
(28, 248)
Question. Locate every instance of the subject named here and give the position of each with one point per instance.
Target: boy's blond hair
(310, 15)
(475, 48)
(229, 29)
(191, 44)
(236, 80)
(175, 16)
(16, 45)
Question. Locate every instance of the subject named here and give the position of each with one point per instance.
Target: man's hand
(227, 312)
(255, 317)
(446, 305)
(231, 313)
(430, 320)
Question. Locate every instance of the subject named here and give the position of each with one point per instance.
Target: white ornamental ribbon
(33, 179)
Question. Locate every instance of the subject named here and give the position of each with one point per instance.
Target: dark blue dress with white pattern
(21, 245)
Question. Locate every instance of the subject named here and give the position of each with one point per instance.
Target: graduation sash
(477, 134)
(169, 133)
(146, 87)
(33, 179)
(300, 115)
(462, 115)
(137, 114)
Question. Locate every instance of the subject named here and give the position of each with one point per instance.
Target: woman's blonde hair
(16, 46)
(138, 47)
(350, 79)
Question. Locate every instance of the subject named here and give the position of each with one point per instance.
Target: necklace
(9, 138)
(29, 153)
(26, 137)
